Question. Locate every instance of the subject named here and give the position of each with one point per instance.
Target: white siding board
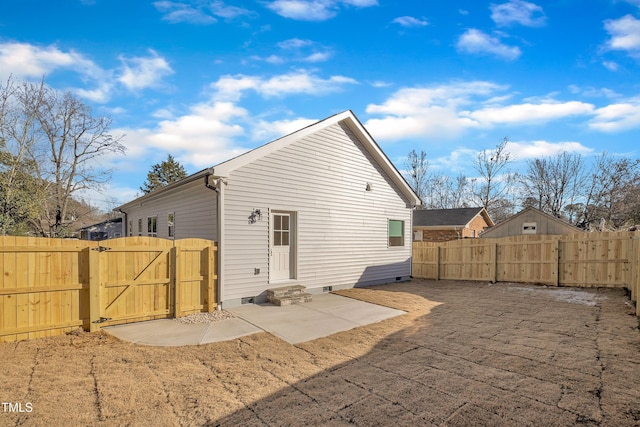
(195, 211)
(342, 229)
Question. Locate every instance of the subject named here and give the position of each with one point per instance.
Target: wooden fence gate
(50, 286)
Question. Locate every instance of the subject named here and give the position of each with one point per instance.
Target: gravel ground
(465, 354)
(214, 316)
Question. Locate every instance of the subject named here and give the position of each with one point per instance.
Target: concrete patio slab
(326, 315)
(169, 333)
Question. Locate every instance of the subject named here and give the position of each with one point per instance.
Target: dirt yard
(465, 354)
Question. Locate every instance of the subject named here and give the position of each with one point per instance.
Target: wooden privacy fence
(610, 259)
(51, 286)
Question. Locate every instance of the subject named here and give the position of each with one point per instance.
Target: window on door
(281, 230)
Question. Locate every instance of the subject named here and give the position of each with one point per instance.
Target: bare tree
(417, 168)
(612, 189)
(20, 194)
(448, 193)
(50, 146)
(554, 182)
(67, 159)
(495, 180)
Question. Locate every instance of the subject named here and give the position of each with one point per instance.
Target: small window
(396, 233)
(171, 218)
(529, 228)
(139, 226)
(281, 230)
(152, 226)
(130, 227)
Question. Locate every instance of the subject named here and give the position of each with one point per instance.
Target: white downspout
(221, 245)
(219, 189)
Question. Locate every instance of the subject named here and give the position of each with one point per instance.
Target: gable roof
(538, 212)
(460, 217)
(348, 118)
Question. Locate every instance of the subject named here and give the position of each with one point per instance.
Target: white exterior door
(282, 245)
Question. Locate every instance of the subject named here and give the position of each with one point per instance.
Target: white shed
(322, 207)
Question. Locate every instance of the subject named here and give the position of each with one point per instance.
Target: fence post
(209, 255)
(635, 272)
(94, 290)
(557, 263)
(495, 262)
(438, 262)
(175, 280)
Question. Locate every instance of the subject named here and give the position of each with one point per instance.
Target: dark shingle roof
(444, 217)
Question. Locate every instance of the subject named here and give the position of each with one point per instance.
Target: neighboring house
(322, 207)
(531, 221)
(441, 225)
(108, 229)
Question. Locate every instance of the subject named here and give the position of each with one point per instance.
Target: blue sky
(207, 80)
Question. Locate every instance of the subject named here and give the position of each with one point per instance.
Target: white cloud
(24, 60)
(175, 12)
(265, 131)
(220, 9)
(199, 12)
(303, 10)
(140, 73)
(625, 34)
(529, 113)
(99, 94)
(295, 43)
(474, 41)
(314, 10)
(536, 149)
(610, 65)
(450, 110)
(317, 57)
(232, 88)
(427, 112)
(27, 61)
(594, 92)
(518, 12)
(299, 50)
(410, 21)
(617, 117)
(205, 136)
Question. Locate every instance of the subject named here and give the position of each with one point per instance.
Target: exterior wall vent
(327, 288)
(247, 300)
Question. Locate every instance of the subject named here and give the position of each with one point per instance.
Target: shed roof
(459, 217)
(564, 224)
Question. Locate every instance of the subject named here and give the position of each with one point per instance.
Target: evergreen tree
(162, 174)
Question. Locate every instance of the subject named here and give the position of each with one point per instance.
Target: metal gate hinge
(101, 249)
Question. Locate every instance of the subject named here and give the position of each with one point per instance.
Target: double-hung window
(152, 226)
(396, 232)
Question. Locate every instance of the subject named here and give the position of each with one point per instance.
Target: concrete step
(291, 299)
(285, 291)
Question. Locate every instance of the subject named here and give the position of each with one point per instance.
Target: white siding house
(321, 207)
